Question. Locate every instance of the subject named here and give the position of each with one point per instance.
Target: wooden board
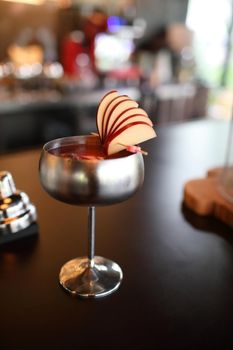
(203, 196)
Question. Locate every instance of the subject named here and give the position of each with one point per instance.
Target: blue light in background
(115, 23)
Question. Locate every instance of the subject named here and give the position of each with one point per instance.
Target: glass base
(90, 279)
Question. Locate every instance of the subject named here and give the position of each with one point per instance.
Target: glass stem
(91, 235)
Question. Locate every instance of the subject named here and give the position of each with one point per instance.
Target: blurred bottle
(94, 24)
(72, 47)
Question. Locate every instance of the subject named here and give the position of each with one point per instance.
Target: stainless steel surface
(85, 182)
(14, 205)
(16, 211)
(7, 186)
(79, 278)
(91, 234)
(90, 182)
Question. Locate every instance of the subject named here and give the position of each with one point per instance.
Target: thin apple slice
(109, 108)
(129, 135)
(124, 116)
(118, 110)
(107, 98)
(140, 118)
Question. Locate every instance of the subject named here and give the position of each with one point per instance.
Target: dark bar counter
(177, 290)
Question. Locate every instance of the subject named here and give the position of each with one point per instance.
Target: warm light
(53, 70)
(31, 2)
(59, 3)
(27, 71)
(3, 206)
(27, 55)
(7, 200)
(5, 69)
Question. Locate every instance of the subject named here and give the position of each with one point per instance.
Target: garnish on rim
(134, 149)
(121, 124)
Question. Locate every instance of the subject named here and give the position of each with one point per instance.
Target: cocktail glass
(89, 182)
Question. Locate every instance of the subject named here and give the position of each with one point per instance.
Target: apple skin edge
(119, 128)
(98, 124)
(109, 109)
(123, 115)
(112, 111)
(113, 136)
(132, 117)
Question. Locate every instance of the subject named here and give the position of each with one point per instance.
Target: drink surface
(84, 152)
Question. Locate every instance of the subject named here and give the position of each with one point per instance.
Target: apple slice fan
(121, 124)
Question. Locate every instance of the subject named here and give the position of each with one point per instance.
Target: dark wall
(158, 13)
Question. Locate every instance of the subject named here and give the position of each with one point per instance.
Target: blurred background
(58, 58)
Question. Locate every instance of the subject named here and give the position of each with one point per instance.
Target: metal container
(90, 183)
(16, 210)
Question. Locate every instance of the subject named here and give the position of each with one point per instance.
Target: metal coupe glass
(89, 182)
